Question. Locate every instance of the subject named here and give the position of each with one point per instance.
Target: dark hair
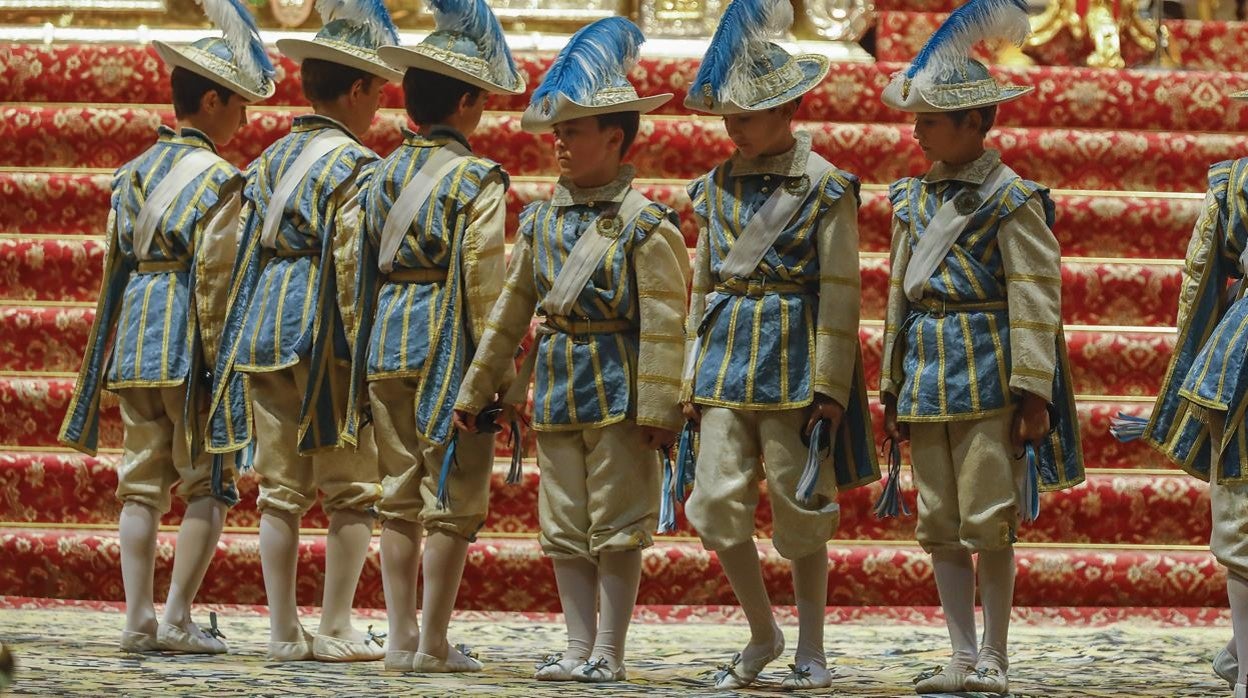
(325, 81)
(626, 121)
(189, 90)
(432, 97)
(987, 117)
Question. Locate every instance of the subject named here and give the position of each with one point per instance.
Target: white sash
(943, 231)
(318, 147)
(588, 252)
(415, 193)
(178, 178)
(771, 219)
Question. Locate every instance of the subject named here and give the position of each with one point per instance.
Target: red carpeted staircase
(1126, 153)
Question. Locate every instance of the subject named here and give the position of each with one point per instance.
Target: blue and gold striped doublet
(1207, 370)
(587, 382)
(958, 366)
(286, 303)
(156, 342)
(425, 329)
(758, 351)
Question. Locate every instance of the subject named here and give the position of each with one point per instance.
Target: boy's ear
(209, 100)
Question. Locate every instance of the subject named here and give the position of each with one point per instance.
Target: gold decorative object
(838, 20)
(1106, 42)
(1103, 23)
(679, 18)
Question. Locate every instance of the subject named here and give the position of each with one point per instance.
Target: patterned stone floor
(69, 650)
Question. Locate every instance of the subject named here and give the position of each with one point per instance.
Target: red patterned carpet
(1127, 152)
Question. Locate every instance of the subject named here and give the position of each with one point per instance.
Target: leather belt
(940, 307)
(757, 288)
(580, 329)
(163, 267)
(427, 275)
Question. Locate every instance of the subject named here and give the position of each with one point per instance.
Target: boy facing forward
(772, 337)
(606, 270)
(974, 358)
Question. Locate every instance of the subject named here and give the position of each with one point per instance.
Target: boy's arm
(840, 290)
(504, 330)
(1033, 280)
(484, 262)
(891, 372)
(702, 284)
(662, 271)
(347, 218)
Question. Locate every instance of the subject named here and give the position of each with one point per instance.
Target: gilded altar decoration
(1110, 31)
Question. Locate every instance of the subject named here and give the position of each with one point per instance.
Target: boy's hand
(1031, 421)
(825, 407)
(895, 430)
(465, 421)
(654, 438)
(693, 413)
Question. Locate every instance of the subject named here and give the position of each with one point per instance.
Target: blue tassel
(891, 501)
(810, 474)
(1029, 494)
(667, 504)
(516, 474)
(448, 462)
(1127, 427)
(686, 461)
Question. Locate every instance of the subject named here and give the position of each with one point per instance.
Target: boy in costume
(606, 270)
(1198, 419)
(284, 367)
(773, 337)
(974, 367)
(432, 262)
(172, 235)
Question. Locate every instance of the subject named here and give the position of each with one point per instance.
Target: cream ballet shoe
(806, 676)
(556, 668)
(300, 651)
(741, 672)
(946, 679)
(1226, 667)
(399, 660)
(459, 660)
(990, 674)
(139, 643)
(334, 649)
(192, 639)
(599, 671)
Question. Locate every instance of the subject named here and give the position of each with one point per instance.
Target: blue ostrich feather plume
(949, 48)
(371, 14)
(475, 19)
(591, 60)
(242, 36)
(743, 31)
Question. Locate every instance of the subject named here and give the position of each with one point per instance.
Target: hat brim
(300, 49)
(532, 121)
(402, 58)
(919, 103)
(814, 69)
(175, 58)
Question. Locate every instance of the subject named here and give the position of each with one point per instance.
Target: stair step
(1065, 96)
(84, 565)
(677, 148)
(1168, 508)
(1103, 224)
(32, 407)
(50, 339)
(1141, 293)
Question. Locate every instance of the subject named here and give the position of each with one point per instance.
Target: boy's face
(766, 132)
(944, 140)
(222, 119)
(584, 149)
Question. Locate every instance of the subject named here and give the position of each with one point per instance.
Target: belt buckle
(755, 288)
(581, 338)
